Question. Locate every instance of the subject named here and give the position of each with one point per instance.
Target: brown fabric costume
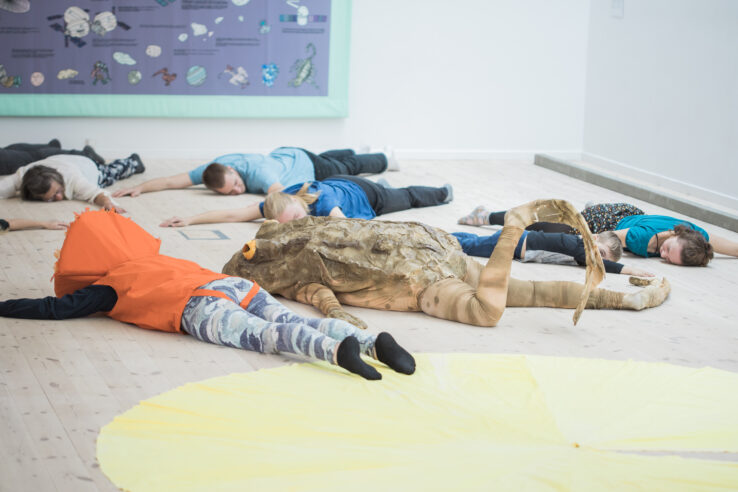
(407, 266)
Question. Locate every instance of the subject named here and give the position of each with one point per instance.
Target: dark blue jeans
(475, 245)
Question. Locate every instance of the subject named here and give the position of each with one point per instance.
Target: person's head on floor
(223, 179)
(609, 245)
(686, 247)
(42, 183)
(284, 207)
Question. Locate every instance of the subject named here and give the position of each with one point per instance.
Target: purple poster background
(184, 47)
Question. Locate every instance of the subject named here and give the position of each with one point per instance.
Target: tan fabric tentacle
(457, 300)
(325, 300)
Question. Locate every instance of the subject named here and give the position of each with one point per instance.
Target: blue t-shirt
(285, 165)
(335, 192)
(641, 228)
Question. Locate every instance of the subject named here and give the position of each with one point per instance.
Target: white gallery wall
(654, 93)
(662, 93)
(477, 78)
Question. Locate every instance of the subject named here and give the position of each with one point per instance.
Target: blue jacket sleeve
(80, 303)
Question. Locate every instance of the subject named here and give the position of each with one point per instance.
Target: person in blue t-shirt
(233, 174)
(338, 196)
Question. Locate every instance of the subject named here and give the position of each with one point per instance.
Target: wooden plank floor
(61, 381)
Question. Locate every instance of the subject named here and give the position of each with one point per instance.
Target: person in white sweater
(70, 177)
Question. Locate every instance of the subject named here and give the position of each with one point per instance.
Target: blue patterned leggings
(116, 170)
(265, 325)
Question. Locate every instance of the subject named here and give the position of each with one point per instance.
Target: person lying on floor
(70, 177)
(676, 241)
(110, 264)
(340, 196)
(15, 156)
(20, 224)
(553, 247)
(234, 174)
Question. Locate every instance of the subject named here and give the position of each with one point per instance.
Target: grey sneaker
(449, 194)
(383, 183)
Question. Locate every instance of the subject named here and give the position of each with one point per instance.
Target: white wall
(662, 93)
(431, 78)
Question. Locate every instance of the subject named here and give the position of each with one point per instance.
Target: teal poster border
(334, 105)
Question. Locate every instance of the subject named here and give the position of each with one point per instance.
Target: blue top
(641, 228)
(335, 192)
(286, 165)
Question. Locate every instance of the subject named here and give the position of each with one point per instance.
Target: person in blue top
(676, 241)
(233, 174)
(338, 196)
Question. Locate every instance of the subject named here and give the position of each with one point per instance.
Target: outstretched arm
(103, 200)
(247, 214)
(628, 270)
(18, 224)
(80, 303)
(724, 246)
(176, 182)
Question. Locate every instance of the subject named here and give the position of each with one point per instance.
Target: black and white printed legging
(265, 325)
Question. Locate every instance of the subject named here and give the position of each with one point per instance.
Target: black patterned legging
(600, 218)
(116, 170)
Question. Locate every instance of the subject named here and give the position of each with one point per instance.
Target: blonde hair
(611, 241)
(275, 203)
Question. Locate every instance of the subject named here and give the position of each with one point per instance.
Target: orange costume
(104, 251)
(104, 248)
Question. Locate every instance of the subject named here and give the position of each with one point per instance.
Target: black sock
(90, 152)
(390, 352)
(139, 164)
(349, 358)
(497, 218)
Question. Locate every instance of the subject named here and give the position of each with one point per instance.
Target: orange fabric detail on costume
(249, 249)
(152, 292)
(216, 293)
(96, 242)
(106, 248)
(249, 295)
(210, 293)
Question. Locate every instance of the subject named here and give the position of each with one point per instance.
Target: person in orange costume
(110, 264)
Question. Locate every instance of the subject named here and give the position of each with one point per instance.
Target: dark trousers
(386, 200)
(15, 156)
(346, 161)
(498, 218)
(483, 246)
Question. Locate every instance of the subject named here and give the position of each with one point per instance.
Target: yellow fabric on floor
(462, 422)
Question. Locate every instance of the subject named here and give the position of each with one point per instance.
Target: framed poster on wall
(174, 58)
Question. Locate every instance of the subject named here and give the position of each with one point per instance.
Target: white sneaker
(392, 162)
(383, 183)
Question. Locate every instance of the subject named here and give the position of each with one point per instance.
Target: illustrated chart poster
(244, 49)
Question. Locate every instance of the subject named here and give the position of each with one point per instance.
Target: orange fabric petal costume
(105, 248)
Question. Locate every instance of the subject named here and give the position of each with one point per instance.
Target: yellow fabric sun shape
(462, 422)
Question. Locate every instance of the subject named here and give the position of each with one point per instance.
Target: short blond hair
(611, 242)
(275, 203)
